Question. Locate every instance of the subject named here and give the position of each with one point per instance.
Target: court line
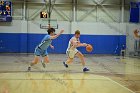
(53, 79)
(120, 85)
(61, 71)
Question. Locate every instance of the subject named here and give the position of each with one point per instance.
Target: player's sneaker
(85, 69)
(29, 68)
(43, 64)
(65, 65)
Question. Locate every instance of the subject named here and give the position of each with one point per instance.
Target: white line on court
(120, 85)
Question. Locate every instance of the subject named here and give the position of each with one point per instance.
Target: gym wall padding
(26, 43)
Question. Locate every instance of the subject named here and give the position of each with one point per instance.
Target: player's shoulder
(47, 36)
(73, 38)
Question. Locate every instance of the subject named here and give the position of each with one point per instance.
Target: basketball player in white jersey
(72, 50)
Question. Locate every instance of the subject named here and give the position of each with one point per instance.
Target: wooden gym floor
(108, 74)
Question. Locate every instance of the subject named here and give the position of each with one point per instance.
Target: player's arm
(82, 45)
(78, 43)
(57, 35)
(52, 47)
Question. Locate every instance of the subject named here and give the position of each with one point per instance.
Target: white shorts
(71, 53)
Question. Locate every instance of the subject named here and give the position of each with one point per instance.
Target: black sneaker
(65, 65)
(43, 64)
(85, 69)
(29, 68)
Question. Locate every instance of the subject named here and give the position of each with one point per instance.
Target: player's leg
(45, 58)
(81, 57)
(69, 60)
(70, 54)
(36, 58)
(35, 61)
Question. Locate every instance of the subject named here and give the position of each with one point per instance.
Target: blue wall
(103, 44)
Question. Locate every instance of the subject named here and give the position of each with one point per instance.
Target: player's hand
(61, 31)
(52, 47)
(78, 42)
(84, 44)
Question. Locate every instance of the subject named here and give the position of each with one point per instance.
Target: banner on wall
(5, 11)
(135, 12)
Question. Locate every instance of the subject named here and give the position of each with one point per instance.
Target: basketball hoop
(49, 26)
(48, 23)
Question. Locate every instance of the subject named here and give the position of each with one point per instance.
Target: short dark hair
(51, 30)
(77, 32)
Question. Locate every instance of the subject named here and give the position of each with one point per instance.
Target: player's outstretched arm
(82, 45)
(78, 43)
(57, 35)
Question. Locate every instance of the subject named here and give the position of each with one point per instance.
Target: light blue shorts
(39, 52)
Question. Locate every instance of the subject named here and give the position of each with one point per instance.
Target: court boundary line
(120, 85)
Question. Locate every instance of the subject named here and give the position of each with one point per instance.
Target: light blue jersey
(45, 43)
(41, 49)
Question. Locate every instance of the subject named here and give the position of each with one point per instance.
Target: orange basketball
(89, 48)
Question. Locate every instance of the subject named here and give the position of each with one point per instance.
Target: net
(47, 23)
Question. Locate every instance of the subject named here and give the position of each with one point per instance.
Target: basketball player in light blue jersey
(41, 49)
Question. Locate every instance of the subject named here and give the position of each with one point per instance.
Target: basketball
(89, 48)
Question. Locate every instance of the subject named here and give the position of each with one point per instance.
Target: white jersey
(70, 45)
